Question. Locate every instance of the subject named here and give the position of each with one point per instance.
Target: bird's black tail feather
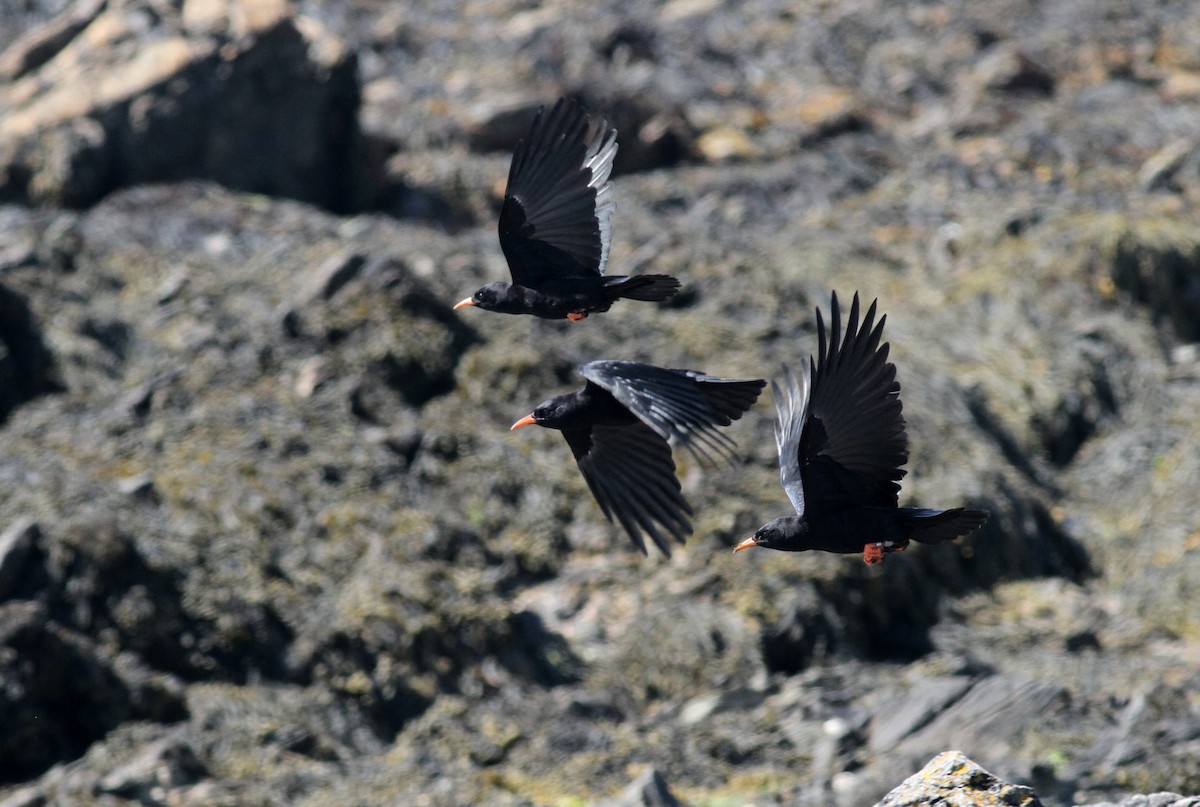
(648, 288)
(729, 397)
(936, 526)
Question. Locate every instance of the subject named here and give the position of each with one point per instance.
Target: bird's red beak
(525, 421)
(463, 304)
(746, 544)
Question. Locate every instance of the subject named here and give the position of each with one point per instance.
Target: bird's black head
(560, 412)
(787, 533)
(496, 296)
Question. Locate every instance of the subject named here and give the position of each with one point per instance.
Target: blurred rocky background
(266, 540)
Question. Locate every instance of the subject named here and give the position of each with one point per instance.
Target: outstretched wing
(791, 410)
(557, 216)
(682, 405)
(853, 445)
(631, 474)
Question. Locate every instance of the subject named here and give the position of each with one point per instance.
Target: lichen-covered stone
(292, 550)
(955, 781)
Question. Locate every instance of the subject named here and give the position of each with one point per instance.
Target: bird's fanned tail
(647, 288)
(936, 526)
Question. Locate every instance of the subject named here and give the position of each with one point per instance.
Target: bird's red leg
(577, 316)
(873, 554)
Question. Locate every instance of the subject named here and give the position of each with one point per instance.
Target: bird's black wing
(557, 216)
(853, 444)
(630, 471)
(791, 410)
(682, 405)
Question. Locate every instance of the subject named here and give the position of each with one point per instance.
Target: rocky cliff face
(265, 537)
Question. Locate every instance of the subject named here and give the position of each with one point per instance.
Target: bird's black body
(890, 527)
(618, 427)
(555, 225)
(571, 298)
(842, 448)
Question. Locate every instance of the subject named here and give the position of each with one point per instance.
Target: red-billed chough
(842, 446)
(556, 222)
(618, 427)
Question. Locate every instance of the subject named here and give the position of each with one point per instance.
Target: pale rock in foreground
(953, 780)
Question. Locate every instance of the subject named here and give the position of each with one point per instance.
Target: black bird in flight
(842, 446)
(618, 426)
(556, 225)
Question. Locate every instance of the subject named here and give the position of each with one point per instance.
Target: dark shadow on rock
(806, 631)
(1064, 431)
(268, 121)
(631, 41)
(417, 320)
(887, 614)
(59, 693)
(991, 424)
(1022, 540)
(21, 560)
(170, 762)
(113, 335)
(651, 135)
(41, 44)
(403, 199)
(94, 580)
(1163, 276)
(537, 654)
(385, 656)
(27, 367)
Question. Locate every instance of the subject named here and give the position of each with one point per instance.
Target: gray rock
(408, 356)
(25, 797)
(1151, 800)
(914, 709)
(59, 692)
(40, 44)
(1009, 70)
(1161, 170)
(650, 789)
(989, 718)
(166, 766)
(955, 781)
(139, 486)
(136, 95)
(331, 276)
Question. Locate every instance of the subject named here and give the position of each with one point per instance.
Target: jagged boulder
(243, 92)
(952, 780)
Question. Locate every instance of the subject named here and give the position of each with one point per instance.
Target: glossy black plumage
(556, 223)
(618, 427)
(842, 447)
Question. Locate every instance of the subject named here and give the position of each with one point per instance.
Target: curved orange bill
(746, 544)
(525, 421)
(463, 304)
